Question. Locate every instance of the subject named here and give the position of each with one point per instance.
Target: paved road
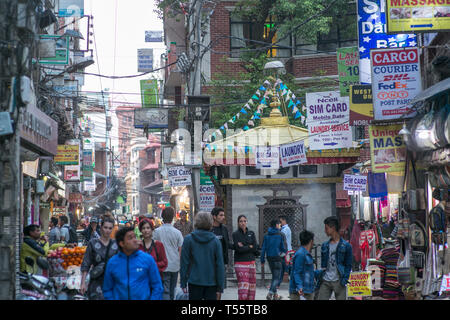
(231, 292)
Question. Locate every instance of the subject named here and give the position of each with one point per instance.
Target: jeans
(283, 270)
(170, 280)
(275, 268)
(327, 287)
(296, 296)
(202, 292)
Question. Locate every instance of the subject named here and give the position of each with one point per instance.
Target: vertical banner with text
(348, 68)
(387, 149)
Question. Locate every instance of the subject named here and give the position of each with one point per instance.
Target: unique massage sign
(359, 284)
(328, 121)
(395, 82)
(387, 149)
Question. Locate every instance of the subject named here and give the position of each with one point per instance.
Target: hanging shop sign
(293, 154)
(90, 185)
(348, 68)
(67, 155)
(355, 182)
(72, 173)
(361, 105)
(417, 15)
(179, 176)
(145, 60)
(152, 118)
(267, 158)
(207, 193)
(387, 149)
(395, 81)
(149, 93)
(59, 211)
(372, 35)
(75, 198)
(445, 284)
(359, 284)
(328, 121)
(30, 168)
(71, 8)
(62, 53)
(153, 36)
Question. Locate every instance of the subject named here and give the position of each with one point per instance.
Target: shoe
(269, 296)
(277, 297)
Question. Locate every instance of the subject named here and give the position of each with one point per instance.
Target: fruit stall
(65, 265)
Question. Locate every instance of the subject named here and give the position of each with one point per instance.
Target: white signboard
(153, 36)
(207, 197)
(179, 176)
(90, 185)
(145, 60)
(293, 154)
(354, 182)
(395, 82)
(328, 120)
(71, 8)
(267, 158)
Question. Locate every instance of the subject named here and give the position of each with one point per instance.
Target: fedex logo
(395, 85)
(394, 77)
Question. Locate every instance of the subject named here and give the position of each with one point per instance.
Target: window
(307, 169)
(151, 155)
(257, 32)
(343, 33)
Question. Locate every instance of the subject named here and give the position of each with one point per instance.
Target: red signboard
(75, 198)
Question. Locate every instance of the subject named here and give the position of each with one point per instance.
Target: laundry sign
(293, 154)
(355, 182)
(179, 176)
(359, 284)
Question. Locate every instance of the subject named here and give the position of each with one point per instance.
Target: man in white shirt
(172, 239)
(288, 236)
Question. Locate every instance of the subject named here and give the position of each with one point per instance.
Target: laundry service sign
(328, 120)
(293, 154)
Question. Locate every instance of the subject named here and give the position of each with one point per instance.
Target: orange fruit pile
(72, 256)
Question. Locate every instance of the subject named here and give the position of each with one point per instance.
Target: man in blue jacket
(336, 262)
(131, 274)
(273, 246)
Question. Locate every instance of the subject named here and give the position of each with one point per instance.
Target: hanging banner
(67, 155)
(207, 197)
(179, 176)
(72, 173)
(267, 158)
(71, 8)
(348, 69)
(361, 105)
(75, 198)
(355, 182)
(149, 93)
(293, 154)
(395, 81)
(359, 284)
(417, 16)
(145, 60)
(328, 121)
(90, 185)
(372, 35)
(59, 211)
(153, 36)
(62, 53)
(387, 149)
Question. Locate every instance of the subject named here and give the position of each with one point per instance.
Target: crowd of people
(143, 261)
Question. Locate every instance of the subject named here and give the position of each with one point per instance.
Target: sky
(117, 39)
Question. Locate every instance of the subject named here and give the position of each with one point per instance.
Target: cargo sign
(179, 176)
(354, 182)
(328, 121)
(293, 154)
(348, 69)
(395, 82)
(418, 15)
(359, 284)
(387, 149)
(372, 35)
(267, 158)
(67, 155)
(361, 105)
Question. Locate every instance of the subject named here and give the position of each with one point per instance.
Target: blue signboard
(372, 35)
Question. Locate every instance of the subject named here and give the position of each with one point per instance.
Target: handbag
(98, 270)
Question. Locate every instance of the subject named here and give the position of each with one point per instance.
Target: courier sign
(395, 57)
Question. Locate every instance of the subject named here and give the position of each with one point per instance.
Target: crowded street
(216, 150)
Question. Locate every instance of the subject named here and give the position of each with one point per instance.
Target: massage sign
(395, 82)
(328, 121)
(387, 149)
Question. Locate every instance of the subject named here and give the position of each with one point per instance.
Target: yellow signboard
(417, 15)
(150, 208)
(387, 149)
(359, 284)
(67, 155)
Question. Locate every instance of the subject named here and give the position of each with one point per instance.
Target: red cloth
(246, 277)
(365, 249)
(161, 261)
(354, 242)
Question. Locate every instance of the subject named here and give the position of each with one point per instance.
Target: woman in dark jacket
(245, 248)
(153, 247)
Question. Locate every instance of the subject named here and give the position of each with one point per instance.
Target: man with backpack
(68, 233)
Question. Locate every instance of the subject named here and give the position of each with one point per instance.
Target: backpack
(73, 237)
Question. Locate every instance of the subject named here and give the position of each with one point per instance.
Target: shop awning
(151, 166)
(155, 187)
(431, 91)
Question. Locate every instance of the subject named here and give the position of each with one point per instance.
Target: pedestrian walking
(274, 246)
(92, 231)
(303, 277)
(183, 224)
(336, 260)
(131, 274)
(286, 231)
(221, 233)
(54, 236)
(151, 246)
(202, 267)
(172, 240)
(98, 252)
(245, 250)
